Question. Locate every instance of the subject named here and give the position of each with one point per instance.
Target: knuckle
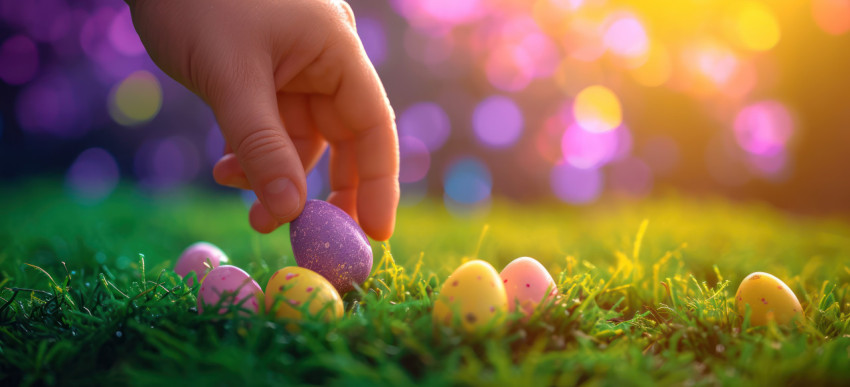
(260, 143)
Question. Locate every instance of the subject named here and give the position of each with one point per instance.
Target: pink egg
(527, 283)
(196, 258)
(229, 285)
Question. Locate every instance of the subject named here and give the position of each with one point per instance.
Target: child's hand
(285, 78)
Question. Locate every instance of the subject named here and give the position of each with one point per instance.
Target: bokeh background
(532, 100)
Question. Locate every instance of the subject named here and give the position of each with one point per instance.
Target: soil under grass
(88, 296)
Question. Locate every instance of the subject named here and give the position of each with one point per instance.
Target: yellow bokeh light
(597, 109)
(756, 27)
(136, 99)
(657, 68)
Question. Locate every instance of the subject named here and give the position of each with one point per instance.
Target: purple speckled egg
(194, 259)
(229, 285)
(328, 241)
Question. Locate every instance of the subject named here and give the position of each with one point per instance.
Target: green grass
(645, 289)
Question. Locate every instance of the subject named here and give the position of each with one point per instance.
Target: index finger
(363, 107)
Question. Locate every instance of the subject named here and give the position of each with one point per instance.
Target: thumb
(247, 112)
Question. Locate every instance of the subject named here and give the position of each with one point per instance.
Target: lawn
(88, 296)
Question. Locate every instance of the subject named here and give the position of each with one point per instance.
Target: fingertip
(283, 199)
(261, 220)
(377, 201)
(228, 172)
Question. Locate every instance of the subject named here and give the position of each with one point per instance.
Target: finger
(347, 12)
(343, 178)
(247, 113)
(343, 159)
(228, 172)
(309, 144)
(362, 104)
(298, 122)
(260, 219)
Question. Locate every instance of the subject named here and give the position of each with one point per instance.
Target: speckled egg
(769, 299)
(196, 258)
(291, 287)
(229, 284)
(328, 241)
(527, 283)
(475, 291)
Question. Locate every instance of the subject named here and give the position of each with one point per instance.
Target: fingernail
(281, 197)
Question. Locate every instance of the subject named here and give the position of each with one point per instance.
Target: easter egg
(527, 283)
(292, 287)
(226, 285)
(476, 293)
(200, 257)
(768, 299)
(328, 241)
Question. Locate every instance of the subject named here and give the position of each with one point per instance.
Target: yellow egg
(476, 293)
(768, 298)
(291, 287)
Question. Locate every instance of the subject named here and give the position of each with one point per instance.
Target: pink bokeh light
(588, 150)
(763, 128)
(123, 36)
(626, 37)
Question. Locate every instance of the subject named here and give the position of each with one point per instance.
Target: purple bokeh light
(575, 185)
(96, 40)
(166, 163)
(468, 181)
(374, 39)
(18, 60)
(43, 20)
(123, 36)
(415, 159)
(51, 104)
(588, 150)
(426, 121)
(93, 175)
(497, 121)
(763, 128)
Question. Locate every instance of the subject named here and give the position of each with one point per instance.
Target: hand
(285, 79)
